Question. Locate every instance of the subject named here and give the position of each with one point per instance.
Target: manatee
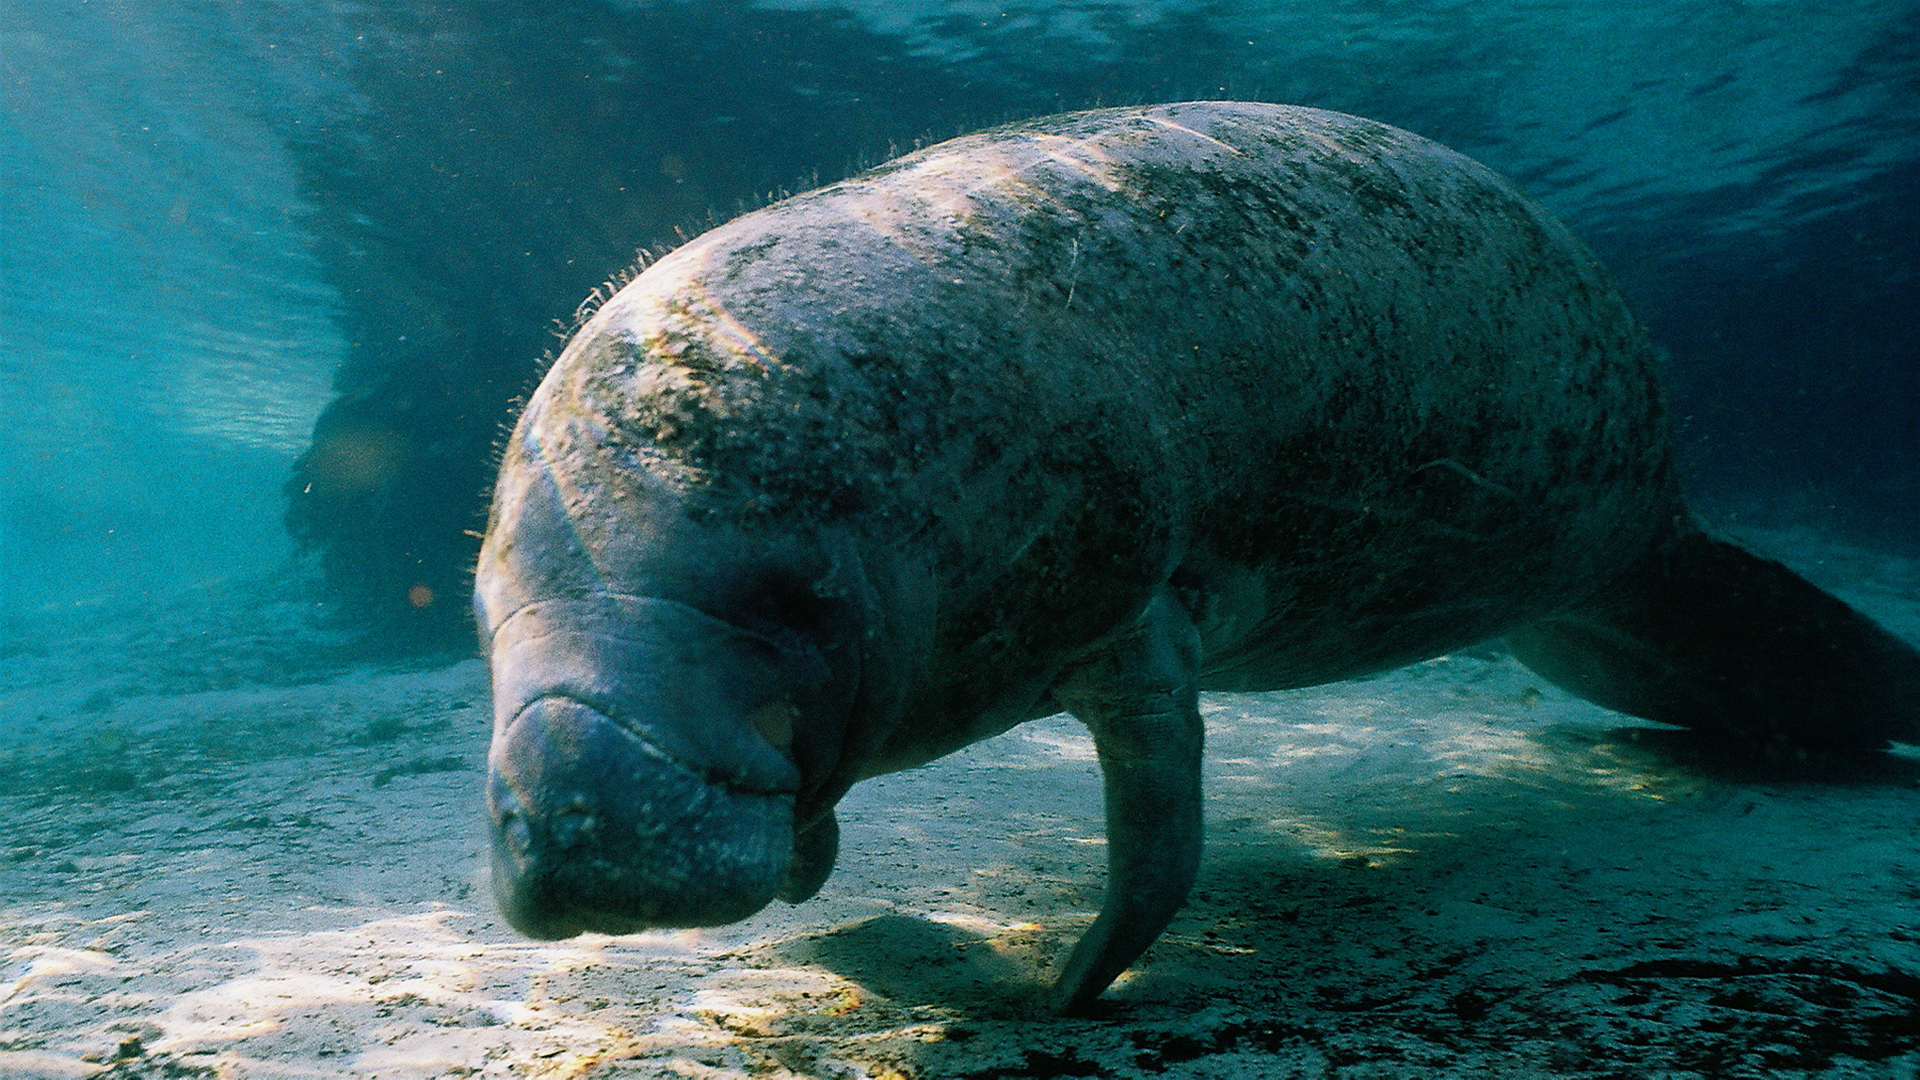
(1089, 413)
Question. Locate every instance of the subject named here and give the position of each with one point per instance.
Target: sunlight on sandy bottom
(304, 917)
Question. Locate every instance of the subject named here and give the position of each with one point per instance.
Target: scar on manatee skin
(1073, 273)
(1449, 463)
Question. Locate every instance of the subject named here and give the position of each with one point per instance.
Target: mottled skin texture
(1093, 412)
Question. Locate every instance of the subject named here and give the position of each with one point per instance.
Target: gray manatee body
(1089, 413)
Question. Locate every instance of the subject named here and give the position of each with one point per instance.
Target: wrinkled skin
(1088, 413)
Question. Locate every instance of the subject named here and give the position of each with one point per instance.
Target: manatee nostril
(518, 835)
(574, 826)
(570, 826)
(509, 816)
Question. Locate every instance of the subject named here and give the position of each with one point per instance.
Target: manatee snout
(629, 785)
(595, 829)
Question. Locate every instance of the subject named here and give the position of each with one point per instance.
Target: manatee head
(671, 694)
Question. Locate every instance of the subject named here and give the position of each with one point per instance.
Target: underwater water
(274, 275)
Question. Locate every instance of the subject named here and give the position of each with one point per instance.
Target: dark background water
(275, 272)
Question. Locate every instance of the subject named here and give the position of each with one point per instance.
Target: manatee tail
(1738, 648)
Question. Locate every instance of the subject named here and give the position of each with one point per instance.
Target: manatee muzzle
(597, 829)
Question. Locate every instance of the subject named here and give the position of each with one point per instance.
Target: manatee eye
(791, 612)
(787, 603)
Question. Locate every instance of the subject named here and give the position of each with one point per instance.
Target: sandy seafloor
(211, 868)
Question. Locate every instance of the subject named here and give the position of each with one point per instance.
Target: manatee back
(1352, 393)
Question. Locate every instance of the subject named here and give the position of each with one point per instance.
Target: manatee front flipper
(1139, 698)
(1737, 647)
